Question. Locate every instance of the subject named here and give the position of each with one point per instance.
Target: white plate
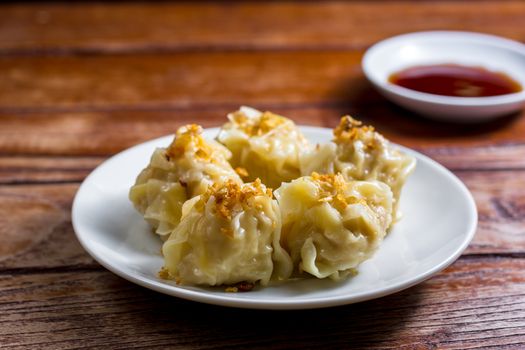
(439, 221)
(442, 47)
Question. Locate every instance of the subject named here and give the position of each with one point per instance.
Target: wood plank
(67, 110)
(179, 80)
(204, 82)
(474, 303)
(36, 230)
(35, 227)
(25, 169)
(500, 200)
(497, 144)
(479, 158)
(125, 27)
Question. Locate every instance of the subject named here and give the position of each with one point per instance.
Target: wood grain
(178, 80)
(499, 144)
(500, 201)
(69, 109)
(97, 309)
(213, 81)
(124, 27)
(25, 221)
(41, 170)
(40, 217)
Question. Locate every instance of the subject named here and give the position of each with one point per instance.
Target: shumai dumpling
(177, 173)
(228, 235)
(265, 144)
(331, 225)
(360, 153)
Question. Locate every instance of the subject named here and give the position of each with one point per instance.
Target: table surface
(80, 82)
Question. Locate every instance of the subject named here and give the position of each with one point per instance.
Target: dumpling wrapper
(331, 225)
(360, 153)
(228, 235)
(177, 173)
(265, 144)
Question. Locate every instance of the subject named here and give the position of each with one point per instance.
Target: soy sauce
(455, 80)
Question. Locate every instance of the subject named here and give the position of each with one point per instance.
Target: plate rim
(312, 303)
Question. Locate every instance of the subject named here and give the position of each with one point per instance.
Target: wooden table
(80, 82)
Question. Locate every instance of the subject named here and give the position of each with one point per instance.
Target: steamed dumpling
(177, 173)
(230, 234)
(265, 144)
(331, 225)
(360, 153)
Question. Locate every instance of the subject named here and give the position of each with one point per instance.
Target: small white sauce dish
(447, 47)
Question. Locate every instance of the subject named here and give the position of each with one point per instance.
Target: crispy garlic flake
(231, 197)
(228, 235)
(188, 138)
(350, 129)
(260, 126)
(333, 190)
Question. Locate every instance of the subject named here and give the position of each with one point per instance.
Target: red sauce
(455, 80)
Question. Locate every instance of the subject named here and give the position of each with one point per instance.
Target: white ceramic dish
(439, 221)
(440, 47)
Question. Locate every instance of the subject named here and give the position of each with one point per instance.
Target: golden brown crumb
(270, 121)
(231, 289)
(231, 197)
(242, 172)
(267, 122)
(227, 231)
(164, 273)
(186, 137)
(332, 189)
(350, 129)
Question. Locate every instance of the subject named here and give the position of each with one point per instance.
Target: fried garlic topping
(259, 126)
(350, 129)
(189, 138)
(332, 189)
(230, 198)
(242, 172)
